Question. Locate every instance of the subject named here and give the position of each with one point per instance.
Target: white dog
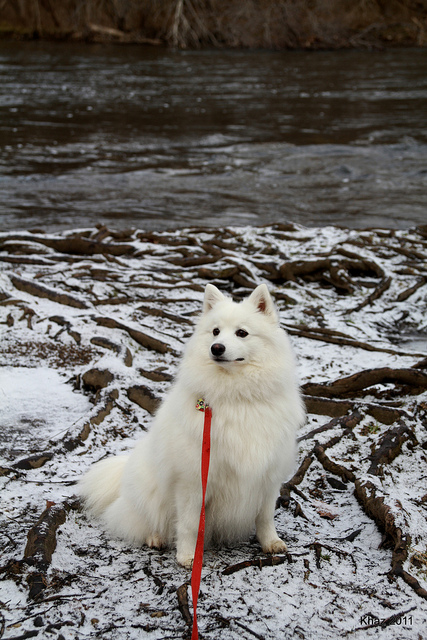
(240, 362)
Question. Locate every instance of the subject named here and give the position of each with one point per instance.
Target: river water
(154, 138)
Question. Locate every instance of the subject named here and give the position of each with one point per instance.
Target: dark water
(147, 137)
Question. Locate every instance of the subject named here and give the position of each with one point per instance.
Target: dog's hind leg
(155, 542)
(123, 520)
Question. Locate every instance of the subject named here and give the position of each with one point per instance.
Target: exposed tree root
(76, 245)
(389, 447)
(338, 408)
(404, 295)
(117, 348)
(335, 338)
(333, 467)
(33, 462)
(285, 489)
(74, 441)
(346, 422)
(383, 286)
(41, 543)
(144, 397)
(269, 561)
(149, 342)
(41, 291)
(414, 380)
(374, 506)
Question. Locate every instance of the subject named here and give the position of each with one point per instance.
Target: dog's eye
(241, 333)
(216, 332)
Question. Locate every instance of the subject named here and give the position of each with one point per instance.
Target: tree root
(41, 543)
(75, 245)
(117, 348)
(334, 271)
(375, 508)
(333, 467)
(161, 313)
(285, 489)
(346, 422)
(33, 462)
(269, 561)
(149, 342)
(41, 291)
(335, 337)
(385, 284)
(365, 492)
(144, 397)
(415, 380)
(72, 443)
(339, 408)
(389, 447)
(236, 273)
(404, 295)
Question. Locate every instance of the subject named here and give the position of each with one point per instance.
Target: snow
(37, 401)
(100, 587)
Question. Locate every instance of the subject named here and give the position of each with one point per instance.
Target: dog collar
(201, 404)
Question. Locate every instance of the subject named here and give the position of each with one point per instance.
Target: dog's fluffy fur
(240, 362)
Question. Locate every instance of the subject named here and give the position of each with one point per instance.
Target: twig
(183, 607)
(246, 628)
(270, 561)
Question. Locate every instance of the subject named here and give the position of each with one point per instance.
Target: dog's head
(237, 334)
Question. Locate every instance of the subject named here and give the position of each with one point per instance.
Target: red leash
(196, 573)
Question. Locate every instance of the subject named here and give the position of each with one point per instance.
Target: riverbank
(92, 324)
(269, 24)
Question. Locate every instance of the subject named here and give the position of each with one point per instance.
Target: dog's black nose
(217, 349)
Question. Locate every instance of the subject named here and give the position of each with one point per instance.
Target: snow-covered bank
(100, 319)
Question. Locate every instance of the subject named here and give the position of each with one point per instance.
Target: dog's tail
(100, 486)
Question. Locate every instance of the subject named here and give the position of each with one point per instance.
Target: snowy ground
(91, 327)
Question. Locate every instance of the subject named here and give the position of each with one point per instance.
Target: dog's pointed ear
(212, 297)
(262, 301)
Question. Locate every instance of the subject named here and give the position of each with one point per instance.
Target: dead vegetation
(277, 24)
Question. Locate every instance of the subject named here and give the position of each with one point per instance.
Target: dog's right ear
(212, 297)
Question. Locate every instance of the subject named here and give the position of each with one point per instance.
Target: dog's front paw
(275, 546)
(185, 560)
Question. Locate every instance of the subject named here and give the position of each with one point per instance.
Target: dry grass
(275, 24)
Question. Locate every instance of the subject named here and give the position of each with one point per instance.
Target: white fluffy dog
(240, 362)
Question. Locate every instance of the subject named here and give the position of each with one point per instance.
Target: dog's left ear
(212, 296)
(262, 301)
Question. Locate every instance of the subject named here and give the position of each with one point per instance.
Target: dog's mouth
(221, 359)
